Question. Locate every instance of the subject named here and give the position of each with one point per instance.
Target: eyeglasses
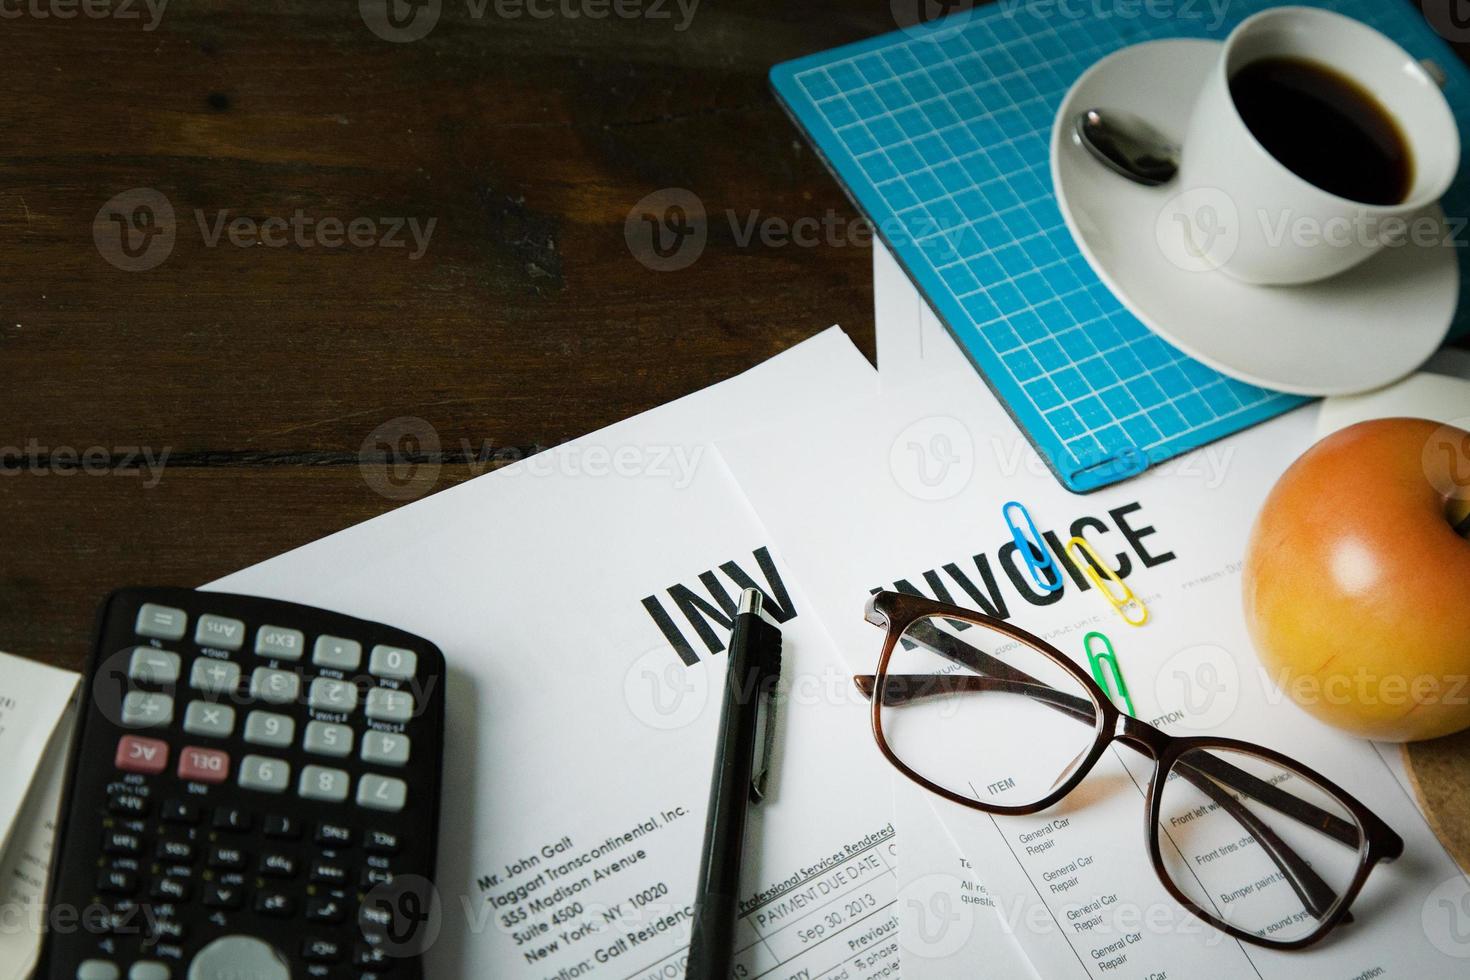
(990, 717)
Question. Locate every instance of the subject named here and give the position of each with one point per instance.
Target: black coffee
(1325, 128)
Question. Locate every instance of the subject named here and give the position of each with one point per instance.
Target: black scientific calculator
(253, 795)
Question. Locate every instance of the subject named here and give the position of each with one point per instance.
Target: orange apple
(1357, 580)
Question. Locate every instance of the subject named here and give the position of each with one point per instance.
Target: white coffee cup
(1288, 230)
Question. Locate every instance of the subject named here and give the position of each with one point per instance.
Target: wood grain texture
(1439, 771)
(261, 371)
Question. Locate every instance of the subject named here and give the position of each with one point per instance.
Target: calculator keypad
(240, 737)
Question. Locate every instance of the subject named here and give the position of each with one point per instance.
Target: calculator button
(98, 970)
(171, 890)
(390, 706)
(371, 958)
(382, 793)
(321, 951)
(238, 956)
(220, 896)
(279, 643)
(120, 842)
(232, 818)
(275, 904)
(175, 851)
(278, 866)
(227, 858)
(161, 622)
(117, 881)
(264, 775)
(373, 877)
(383, 749)
(127, 805)
(282, 827)
(198, 765)
(209, 719)
(150, 666)
(143, 710)
(333, 835)
(271, 730)
(337, 653)
(180, 811)
(337, 697)
(166, 930)
(382, 842)
(219, 632)
(321, 783)
(214, 676)
(149, 970)
(145, 755)
(329, 910)
(394, 663)
(275, 686)
(323, 738)
(323, 873)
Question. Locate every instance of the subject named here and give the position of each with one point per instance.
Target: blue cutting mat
(941, 135)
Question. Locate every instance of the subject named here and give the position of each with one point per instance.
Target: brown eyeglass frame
(897, 612)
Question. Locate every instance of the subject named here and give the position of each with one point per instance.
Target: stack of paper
(35, 733)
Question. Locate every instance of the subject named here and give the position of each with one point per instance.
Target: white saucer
(1363, 329)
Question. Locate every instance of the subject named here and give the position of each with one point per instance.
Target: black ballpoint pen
(750, 683)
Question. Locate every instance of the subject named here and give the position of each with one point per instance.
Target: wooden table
(240, 396)
(264, 372)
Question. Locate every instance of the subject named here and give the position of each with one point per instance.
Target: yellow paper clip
(1102, 576)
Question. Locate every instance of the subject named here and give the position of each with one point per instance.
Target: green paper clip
(1097, 659)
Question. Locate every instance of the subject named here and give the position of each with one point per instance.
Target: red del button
(203, 765)
(146, 755)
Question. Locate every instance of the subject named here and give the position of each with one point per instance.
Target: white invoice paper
(906, 492)
(948, 921)
(584, 612)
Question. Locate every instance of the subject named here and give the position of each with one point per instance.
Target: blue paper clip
(1107, 656)
(1033, 550)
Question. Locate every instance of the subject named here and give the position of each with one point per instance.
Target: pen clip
(765, 747)
(768, 653)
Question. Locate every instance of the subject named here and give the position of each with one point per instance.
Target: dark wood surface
(261, 371)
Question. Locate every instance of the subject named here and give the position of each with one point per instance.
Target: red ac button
(145, 755)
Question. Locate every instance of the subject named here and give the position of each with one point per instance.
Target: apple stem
(1459, 514)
